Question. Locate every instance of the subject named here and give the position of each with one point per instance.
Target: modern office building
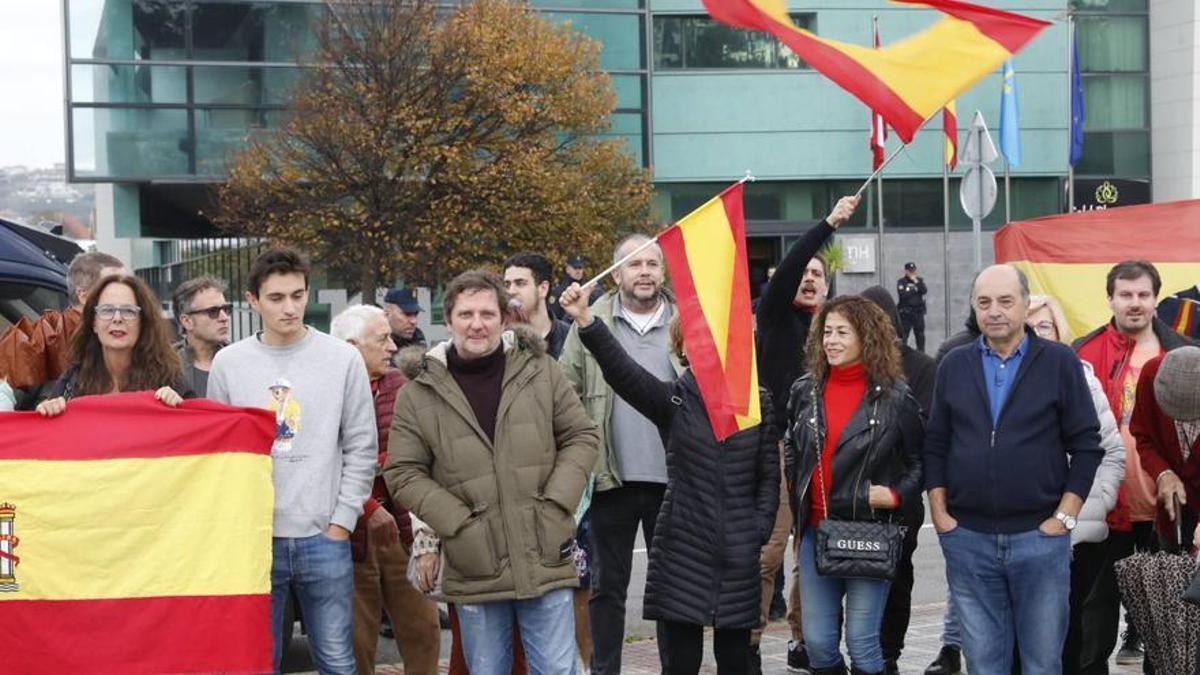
(160, 92)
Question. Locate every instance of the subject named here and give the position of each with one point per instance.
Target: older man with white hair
(382, 542)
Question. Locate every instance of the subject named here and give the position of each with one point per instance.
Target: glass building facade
(162, 92)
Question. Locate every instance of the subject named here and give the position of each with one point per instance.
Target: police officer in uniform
(910, 294)
(573, 274)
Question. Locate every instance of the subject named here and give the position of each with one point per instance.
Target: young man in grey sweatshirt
(324, 453)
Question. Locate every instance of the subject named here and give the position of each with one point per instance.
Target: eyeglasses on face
(213, 312)
(1044, 328)
(127, 312)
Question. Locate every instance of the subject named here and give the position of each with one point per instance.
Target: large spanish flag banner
(706, 253)
(907, 81)
(1068, 256)
(136, 538)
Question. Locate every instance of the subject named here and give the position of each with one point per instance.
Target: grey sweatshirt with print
(326, 443)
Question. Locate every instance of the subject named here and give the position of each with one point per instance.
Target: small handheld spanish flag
(706, 253)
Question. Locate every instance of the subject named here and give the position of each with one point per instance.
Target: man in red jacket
(1118, 351)
(382, 540)
(1166, 424)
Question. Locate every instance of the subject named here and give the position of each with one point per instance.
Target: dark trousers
(1095, 604)
(915, 322)
(615, 517)
(681, 648)
(898, 610)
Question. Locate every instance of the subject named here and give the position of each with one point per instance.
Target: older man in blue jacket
(1010, 452)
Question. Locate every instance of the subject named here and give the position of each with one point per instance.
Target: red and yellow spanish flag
(907, 81)
(950, 129)
(136, 538)
(1068, 256)
(706, 253)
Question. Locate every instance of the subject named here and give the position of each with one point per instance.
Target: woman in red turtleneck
(853, 453)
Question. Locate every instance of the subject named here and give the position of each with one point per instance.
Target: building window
(1114, 62)
(698, 42)
(174, 88)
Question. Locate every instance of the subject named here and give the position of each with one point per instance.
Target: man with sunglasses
(204, 316)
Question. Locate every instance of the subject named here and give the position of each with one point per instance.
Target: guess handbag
(856, 549)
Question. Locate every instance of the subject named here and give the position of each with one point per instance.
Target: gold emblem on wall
(1106, 193)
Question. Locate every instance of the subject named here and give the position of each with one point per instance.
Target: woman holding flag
(123, 344)
(853, 456)
(717, 511)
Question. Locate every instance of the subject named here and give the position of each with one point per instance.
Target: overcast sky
(31, 79)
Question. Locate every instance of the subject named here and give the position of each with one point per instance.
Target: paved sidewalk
(923, 643)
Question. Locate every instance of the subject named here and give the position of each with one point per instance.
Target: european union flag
(1010, 124)
(1077, 111)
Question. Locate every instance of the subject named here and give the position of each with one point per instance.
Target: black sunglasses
(214, 312)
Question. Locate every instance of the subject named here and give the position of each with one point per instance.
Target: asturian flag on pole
(1010, 123)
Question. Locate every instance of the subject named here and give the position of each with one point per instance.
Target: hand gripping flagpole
(748, 178)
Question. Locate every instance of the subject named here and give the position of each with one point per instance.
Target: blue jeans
(1010, 587)
(321, 572)
(951, 627)
(821, 611)
(547, 634)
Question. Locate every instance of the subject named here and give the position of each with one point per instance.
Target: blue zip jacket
(1009, 478)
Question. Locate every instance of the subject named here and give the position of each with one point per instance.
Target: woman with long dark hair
(853, 454)
(123, 344)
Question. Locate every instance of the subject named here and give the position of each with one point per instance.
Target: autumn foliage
(429, 142)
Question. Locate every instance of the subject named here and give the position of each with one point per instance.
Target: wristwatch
(1069, 521)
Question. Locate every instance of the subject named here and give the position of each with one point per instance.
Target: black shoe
(856, 671)
(948, 662)
(385, 628)
(798, 658)
(890, 667)
(755, 666)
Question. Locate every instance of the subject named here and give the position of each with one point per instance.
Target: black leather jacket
(881, 445)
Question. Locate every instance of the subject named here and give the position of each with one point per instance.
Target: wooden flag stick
(748, 178)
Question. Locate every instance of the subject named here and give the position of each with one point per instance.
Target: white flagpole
(1007, 193)
(877, 128)
(1070, 113)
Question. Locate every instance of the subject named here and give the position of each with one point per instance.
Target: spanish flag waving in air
(706, 253)
(907, 81)
(136, 538)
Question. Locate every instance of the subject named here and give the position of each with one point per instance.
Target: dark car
(33, 276)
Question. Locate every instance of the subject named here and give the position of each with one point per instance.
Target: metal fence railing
(226, 258)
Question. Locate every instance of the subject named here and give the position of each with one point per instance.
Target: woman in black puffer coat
(717, 511)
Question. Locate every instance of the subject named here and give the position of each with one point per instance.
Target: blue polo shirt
(999, 373)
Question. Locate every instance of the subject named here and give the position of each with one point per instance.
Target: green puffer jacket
(503, 509)
(581, 369)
